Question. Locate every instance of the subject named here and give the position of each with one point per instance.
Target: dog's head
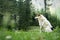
(37, 16)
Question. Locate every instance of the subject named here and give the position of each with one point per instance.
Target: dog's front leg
(40, 29)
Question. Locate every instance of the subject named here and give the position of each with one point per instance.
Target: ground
(33, 34)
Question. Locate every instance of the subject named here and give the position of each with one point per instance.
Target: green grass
(32, 34)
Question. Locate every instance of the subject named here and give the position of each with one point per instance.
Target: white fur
(44, 24)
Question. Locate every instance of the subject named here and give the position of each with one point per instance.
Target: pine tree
(24, 14)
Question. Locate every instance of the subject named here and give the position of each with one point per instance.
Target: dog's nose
(36, 17)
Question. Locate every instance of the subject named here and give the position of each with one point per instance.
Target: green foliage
(7, 5)
(24, 14)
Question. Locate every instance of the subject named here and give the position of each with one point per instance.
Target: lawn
(33, 34)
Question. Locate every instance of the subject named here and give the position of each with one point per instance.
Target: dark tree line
(24, 14)
(17, 11)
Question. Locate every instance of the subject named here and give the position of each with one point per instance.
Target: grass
(32, 34)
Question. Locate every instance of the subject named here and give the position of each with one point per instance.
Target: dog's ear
(38, 14)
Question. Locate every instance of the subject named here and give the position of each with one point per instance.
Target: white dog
(44, 23)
